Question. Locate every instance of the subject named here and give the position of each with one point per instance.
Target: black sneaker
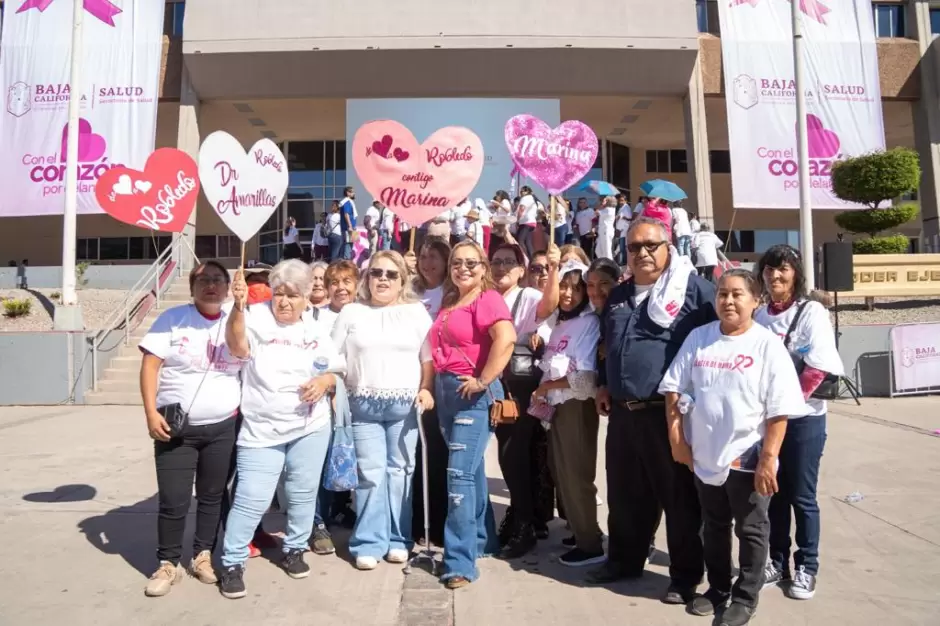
(541, 530)
(579, 558)
(737, 615)
(321, 541)
(708, 603)
(569, 542)
(611, 572)
(678, 595)
(774, 576)
(506, 527)
(293, 564)
(232, 583)
(651, 553)
(521, 543)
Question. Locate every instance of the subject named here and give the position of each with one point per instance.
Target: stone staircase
(119, 383)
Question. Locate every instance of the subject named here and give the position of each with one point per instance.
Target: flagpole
(68, 317)
(806, 201)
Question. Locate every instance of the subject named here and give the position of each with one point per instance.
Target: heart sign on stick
(555, 158)
(243, 188)
(162, 197)
(417, 182)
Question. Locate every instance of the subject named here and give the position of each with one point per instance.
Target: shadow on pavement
(128, 531)
(65, 493)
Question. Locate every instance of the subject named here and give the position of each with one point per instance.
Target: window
(173, 15)
(707, 14)
(720, 161)
(889, 19)
(87, 249)
(217, 246)
(757, 241)
(666, 161)
(121, 248)
(935, 21)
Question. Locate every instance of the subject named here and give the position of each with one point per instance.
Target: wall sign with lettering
(555, 158)
(417, 181)
(243, 188)
(161, 198)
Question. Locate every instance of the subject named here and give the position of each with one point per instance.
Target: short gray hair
(293, 273)
(319, 265)
(705, 226)
(648, 221)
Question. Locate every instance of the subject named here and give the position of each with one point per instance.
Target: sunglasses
(377, 272)
(650, 246)
(538, 269)
(510, 263)
(470, 264)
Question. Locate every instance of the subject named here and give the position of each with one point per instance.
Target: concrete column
(926, 113)
(188, 141)
(696, 148)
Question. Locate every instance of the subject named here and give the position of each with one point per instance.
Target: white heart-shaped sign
(142, 186)
(243, 188)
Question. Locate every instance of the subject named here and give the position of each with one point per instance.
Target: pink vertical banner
(915, 350)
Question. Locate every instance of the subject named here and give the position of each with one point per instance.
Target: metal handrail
(149, 282)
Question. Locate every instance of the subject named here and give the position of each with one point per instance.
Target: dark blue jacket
(638, 351)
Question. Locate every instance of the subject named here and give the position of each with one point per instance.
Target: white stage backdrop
(123, 45)
(486, 117)
(843, 96)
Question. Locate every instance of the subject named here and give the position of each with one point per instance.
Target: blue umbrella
(667, 190)
(599, 187)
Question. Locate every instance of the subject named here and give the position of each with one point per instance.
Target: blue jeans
(561, 235)
(347, 251)
(336, 246)
(684, 245)
(797, 478)
(259, 470)
(470, 529)
(385, 432)
(622, 251)
(385, 238)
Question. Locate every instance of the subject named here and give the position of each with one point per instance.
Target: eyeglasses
(538, 269)
(377, 272)
(470, 264)
(510, 263)
(650, 246)
(204, 281)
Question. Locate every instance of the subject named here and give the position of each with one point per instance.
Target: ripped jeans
(470, 529)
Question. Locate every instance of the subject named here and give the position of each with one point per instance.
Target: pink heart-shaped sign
(417, 182)
(555, 158)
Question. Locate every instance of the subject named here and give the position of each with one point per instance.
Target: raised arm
(235, 335)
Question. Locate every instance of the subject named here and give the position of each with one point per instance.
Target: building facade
(646, 75)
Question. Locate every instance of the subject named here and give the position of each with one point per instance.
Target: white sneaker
(803, 586)
(397, 555)
(366, 562)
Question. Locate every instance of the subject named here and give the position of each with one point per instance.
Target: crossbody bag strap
(796, 319)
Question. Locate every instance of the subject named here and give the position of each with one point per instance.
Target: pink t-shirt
(467, 328)
(659, 212)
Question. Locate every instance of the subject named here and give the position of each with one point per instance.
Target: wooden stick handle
(411, 246)
(243, 258)
(551, 221)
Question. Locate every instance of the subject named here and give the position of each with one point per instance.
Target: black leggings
(203, 454)
(515, 455)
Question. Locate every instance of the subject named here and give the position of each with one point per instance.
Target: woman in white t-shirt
(742, 387)
(812, 342)
(529, 309)
(321, 242)
(527, 214)
(389, 371)
(606, 218)
(472, 227)
(187, 370)
(291, 236)
(334, 231)
(565, 399)
(291, 365)
(705, 243)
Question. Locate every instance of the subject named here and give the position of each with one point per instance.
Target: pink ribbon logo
(812, 8)
(104, 10)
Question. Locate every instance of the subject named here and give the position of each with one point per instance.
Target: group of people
(714, 398)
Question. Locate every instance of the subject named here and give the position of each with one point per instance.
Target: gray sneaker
(773, 576)
(322, 541)
(803, 586)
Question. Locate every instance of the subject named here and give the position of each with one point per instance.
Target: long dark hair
(442, 249)
(607, 267)
(778, 256)
(576, 279)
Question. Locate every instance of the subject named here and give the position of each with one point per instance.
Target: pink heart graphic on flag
(102, 9)
(812, 8)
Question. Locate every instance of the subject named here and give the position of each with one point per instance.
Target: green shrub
(17, 307)
(872, 179)
(873, 221)
(80, 269)
(891, 244)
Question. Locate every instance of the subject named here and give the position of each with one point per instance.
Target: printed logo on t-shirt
(214, 357)
(672, 308)
(303, 345)
(740, 363)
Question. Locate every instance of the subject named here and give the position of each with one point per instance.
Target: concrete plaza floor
(78, 519)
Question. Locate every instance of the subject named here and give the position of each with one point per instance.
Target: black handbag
(176, 418)
(523, 364)
(828, 389)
